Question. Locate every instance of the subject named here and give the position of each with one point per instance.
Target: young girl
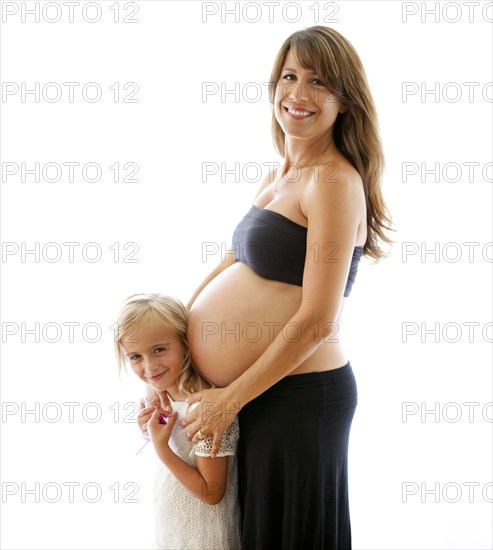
(195, 496)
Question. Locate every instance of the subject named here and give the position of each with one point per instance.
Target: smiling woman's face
(303, 107)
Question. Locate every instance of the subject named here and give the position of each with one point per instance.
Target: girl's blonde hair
(141, 310)
(356, 132)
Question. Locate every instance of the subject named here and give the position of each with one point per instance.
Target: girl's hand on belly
(215, 412)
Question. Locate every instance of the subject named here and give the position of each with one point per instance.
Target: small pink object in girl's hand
(163, 417)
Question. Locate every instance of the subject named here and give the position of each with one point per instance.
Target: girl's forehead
(151, 331)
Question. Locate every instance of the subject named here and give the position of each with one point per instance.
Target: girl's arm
(229, 257)
(207, 482)
(333, 212)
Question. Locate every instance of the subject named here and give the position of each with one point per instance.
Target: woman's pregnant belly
(235, 318)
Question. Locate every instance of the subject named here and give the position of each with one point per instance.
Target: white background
(171, 211)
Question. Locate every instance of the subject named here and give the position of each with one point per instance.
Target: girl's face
(302, 106)
(155, 354)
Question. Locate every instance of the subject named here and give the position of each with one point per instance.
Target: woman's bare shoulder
(338, 188)
(337, 170)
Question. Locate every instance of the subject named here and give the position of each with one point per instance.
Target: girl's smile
(157, 376)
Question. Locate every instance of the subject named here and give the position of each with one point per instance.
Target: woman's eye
(290, 77)
(134, 357)
(159, 350)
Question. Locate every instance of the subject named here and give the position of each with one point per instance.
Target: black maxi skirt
(292, 463)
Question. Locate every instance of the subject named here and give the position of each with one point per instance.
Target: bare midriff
(238, 314)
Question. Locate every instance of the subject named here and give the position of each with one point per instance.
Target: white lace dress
(184, 522)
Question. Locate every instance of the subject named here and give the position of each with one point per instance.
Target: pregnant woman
(264, 326)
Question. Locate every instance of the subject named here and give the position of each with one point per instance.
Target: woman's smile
(298, 113)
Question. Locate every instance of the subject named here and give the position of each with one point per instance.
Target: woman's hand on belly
(214, 414)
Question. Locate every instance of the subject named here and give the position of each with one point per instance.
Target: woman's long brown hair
(356, 132)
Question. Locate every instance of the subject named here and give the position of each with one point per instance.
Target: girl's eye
(134, 357)
(159, 350)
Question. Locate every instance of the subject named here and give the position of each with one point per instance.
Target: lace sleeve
(227, 445)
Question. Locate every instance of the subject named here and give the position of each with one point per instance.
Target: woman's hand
(215, 411)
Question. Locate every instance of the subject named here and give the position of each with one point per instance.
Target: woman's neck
(304, 153)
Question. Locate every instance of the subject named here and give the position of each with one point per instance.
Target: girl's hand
(143, 417)
(215, 412)
(160, 433)
(164, 400)
(154, 399)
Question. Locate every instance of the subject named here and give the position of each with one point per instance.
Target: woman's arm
(229, 257)
(332, 210)
(207, 482)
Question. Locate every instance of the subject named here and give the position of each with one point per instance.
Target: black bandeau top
(275, 247)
